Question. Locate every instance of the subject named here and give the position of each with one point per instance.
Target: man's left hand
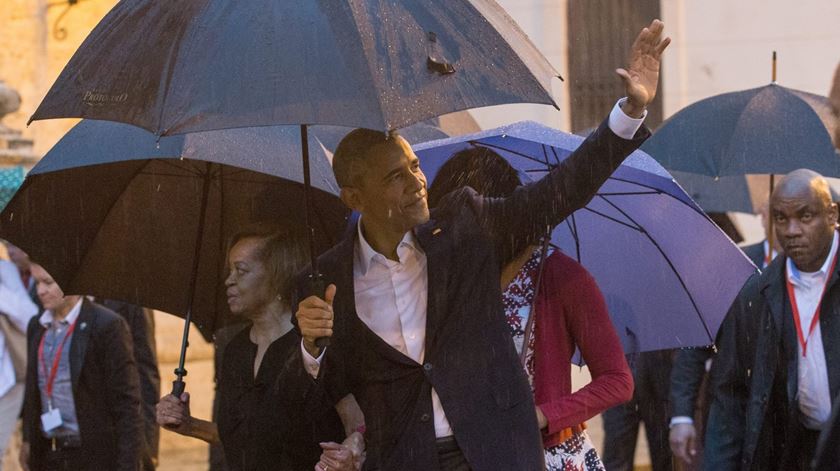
(641, 77)
(337, 457)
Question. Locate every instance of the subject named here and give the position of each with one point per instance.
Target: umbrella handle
(178, 387)
(319, 288)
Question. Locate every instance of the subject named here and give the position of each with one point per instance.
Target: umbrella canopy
(771, 129)
(380, 65)
(110, 212)
(667, 272)
(718, 194)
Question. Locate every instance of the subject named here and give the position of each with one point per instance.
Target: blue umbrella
(765, 130)
(668, 273)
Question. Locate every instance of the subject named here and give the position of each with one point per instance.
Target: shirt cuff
(681, 419)
(622, 125)
(312, 364)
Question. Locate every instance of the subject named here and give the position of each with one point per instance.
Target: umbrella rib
(545, 155)
(605, 216)
(556, 157)
(629, 193)
(653, 189)
(670, 264)
(505, 149)
(574, 231)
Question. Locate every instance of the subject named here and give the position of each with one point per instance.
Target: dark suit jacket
(754, 377)
(828, 452)
(105, 390)
(141, 324)
(470, 359)
(686, 378)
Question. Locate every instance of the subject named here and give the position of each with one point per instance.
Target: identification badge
(51, 420)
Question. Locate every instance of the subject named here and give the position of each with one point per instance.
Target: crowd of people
(451, 326)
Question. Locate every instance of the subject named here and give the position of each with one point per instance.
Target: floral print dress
(577, 452)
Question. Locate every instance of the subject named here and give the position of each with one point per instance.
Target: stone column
(14, 148)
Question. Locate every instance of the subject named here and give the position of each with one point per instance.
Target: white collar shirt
(391, 299)
(48, 317)
(813, 396)
(765, 260)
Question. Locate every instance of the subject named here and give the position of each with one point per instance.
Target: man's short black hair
(351, 153)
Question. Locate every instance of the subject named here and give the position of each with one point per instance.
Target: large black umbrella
(111, 212)
(211, 64)
(214, 64)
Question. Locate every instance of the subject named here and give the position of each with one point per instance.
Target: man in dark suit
(414, 304)
(82, 400)
(141, 324)
(778, 362)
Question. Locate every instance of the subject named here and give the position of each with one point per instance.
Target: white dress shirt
(384, 287)
(813, 393)
(18, 306)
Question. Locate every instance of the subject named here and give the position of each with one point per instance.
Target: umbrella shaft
(307, 190)
(180, 372)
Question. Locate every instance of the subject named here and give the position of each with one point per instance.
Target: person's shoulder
(101, 315)
(456, 202)
(7, 265)
(239, 346)
(563, 267)
(8, 271)
(34, 324)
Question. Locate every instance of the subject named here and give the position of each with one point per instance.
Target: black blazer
(105, 390)
(141, 325)
(754, 376)
(470, 359)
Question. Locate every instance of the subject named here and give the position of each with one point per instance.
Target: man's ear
(352, 198)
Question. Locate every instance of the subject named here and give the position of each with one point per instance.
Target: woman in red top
(569, 312)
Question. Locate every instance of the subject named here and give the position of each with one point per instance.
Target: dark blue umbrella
(766, 130)
(218, 64)
(668, 273)
(384, 65)
(111, 212)
(717, 194)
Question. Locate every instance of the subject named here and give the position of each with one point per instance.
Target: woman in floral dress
(568, 312)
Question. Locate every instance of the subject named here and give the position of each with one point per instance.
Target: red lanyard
(56, 359)
(803, 340)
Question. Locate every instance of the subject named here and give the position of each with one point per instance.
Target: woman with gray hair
(262, 423)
